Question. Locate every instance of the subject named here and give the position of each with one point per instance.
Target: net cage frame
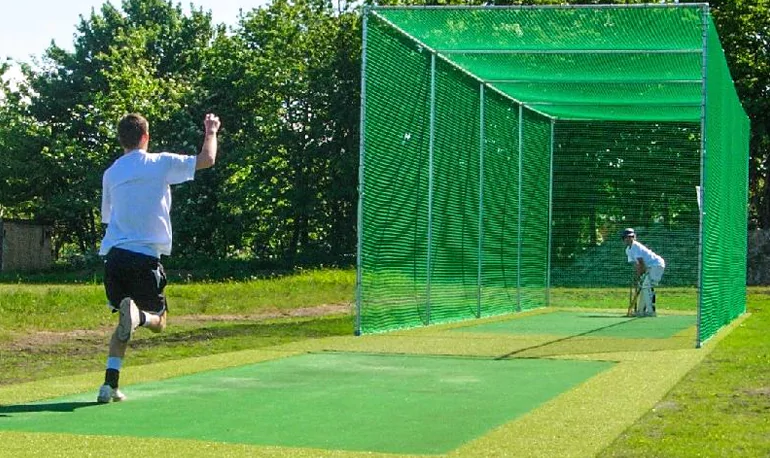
(718, 309)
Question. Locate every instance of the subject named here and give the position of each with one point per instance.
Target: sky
(28, 26)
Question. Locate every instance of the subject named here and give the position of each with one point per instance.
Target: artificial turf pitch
(381, 403)
(566, 324)
(354, 394)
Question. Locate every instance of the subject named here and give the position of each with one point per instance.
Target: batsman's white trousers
(647, 294)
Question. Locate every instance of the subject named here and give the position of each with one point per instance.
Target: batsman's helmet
(629, 232)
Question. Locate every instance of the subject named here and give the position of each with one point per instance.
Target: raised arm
(208, 155)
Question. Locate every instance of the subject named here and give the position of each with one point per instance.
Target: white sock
(149, 318)
(114, 362)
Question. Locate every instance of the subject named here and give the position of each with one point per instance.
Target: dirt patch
(39, 340)
(665, 406)
(319, 310)
(764, 391)
(35, 340)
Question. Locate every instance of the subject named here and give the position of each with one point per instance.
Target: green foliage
(288, 191)
(121, 63)
(744, 29)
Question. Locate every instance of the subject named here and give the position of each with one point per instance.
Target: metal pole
(482, 140)
(550, 221)
(701, 230)
(431, 146)
(519, 244)
(567, 51)
(361, 156)
(597, 81)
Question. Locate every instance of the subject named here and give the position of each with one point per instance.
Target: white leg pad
(646, 301)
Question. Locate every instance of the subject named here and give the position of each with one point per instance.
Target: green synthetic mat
(339, 401)
(589, 324)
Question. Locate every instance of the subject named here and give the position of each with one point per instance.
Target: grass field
(720, 408)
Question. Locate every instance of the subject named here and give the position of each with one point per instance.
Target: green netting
(656, 47)
(611, 175)
(533, 218)
(503, 150)
(561, 30)
(620, 112)
(725, 185)
(454, 219)
(395, 245)
(500, 197)
(605, 67)
(588, 94)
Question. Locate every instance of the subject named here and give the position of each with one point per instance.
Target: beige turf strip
(578, 423)
(47, 445)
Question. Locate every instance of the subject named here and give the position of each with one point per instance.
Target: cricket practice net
(504, 149)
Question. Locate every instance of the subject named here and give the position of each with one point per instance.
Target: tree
(23, 177)
(142, 61)
(291, 183)
(744, 28)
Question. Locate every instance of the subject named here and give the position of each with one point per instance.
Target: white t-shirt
(136, 200)
(636, 250)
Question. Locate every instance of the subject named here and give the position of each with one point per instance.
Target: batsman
(649, 269)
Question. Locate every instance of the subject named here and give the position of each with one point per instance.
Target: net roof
(618, 62)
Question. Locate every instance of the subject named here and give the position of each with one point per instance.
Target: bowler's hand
(211, 123)
(208, 154)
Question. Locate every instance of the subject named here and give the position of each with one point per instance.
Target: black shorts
(138, 276)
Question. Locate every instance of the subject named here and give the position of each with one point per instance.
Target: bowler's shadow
(607, 316)
(44, 407)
